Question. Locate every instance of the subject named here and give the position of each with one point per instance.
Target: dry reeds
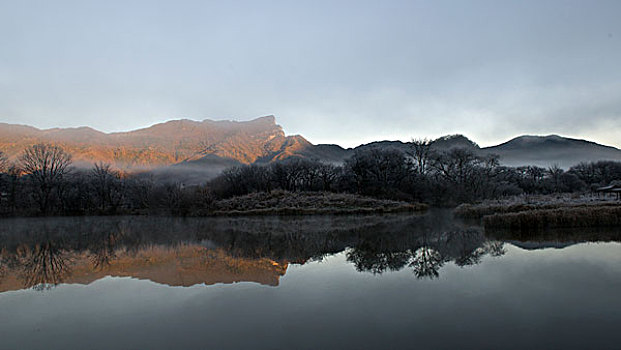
(566, 217)
(308, 203)
(478, 211)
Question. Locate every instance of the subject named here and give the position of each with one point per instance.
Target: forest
(42, 181)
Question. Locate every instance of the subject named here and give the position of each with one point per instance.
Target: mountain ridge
(551, 150)
(193, 145)
(161, 144)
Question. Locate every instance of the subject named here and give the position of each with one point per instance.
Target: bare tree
(421, 152)
(46, 165)
(457, 165)
(377, 170)
(4, 178)
(555, 173)
(108, 186)
(4, 163)
(328, 174)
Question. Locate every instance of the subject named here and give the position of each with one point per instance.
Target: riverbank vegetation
(43, 182)
(526, 213)
(563, 217)
(524, 203)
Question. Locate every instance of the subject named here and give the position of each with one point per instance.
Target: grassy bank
(541, 212)
(529, 203)
(307, 203)
(468, 211)
(565, 217)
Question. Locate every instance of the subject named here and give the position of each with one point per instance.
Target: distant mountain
(325, 153)
(544, 151)
(441, 144)
(549, 150)
(177, 141)
(192, 151)
(445, 143)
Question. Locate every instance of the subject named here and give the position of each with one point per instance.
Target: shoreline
(543, 212)
(281, 203)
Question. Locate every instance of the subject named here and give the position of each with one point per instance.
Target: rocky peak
(160, 144)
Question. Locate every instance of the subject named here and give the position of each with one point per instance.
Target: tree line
(420, 174)
(43, 182)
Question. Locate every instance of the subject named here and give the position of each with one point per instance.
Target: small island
(309, 203)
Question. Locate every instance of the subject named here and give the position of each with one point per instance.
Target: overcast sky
(344, 72)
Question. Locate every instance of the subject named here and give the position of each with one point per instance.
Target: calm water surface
(370, 282)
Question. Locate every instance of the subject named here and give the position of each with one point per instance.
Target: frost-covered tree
(45, 165)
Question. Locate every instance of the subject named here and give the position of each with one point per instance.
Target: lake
(327, 282)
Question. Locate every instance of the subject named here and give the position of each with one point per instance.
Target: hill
(172, 142)
(192, 151)
(546, 151)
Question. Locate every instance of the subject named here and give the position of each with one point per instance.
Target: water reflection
(426, 262)
(424, 252)
(45, 252)
(45, 264)
(102, 250)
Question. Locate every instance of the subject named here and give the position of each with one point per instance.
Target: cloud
(340, 71)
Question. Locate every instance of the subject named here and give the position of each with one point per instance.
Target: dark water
(370, 282)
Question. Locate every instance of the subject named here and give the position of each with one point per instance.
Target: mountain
(544, 151)
(192, 151)
(173, 142)
(549, 150)
(448, 142)
(440, 144)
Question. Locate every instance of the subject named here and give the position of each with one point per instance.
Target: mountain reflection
(44, 252)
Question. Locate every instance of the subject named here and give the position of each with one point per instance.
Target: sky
(344, 72)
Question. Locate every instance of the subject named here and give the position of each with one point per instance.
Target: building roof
(609, 188)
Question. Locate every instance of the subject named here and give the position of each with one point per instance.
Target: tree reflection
(424, 249)
(495, 248)
(469, 258)
(377, 262)
(103, 247)
(465, 246)
(45, 265)
(43, 252)
(426, 262)
(3, 263)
